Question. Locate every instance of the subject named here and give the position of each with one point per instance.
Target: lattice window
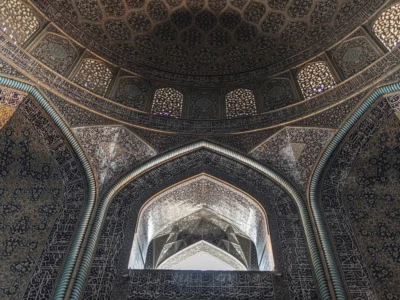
(315, 78)
(240, 102)
(387, 27)
(17, 20)
(167, 102)
(94, 75)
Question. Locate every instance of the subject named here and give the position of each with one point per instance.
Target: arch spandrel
(287, 217)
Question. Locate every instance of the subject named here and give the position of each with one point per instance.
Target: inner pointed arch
(202, 256)
(237, 217)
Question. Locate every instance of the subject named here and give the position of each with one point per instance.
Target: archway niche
(206, 218)
(109, 275)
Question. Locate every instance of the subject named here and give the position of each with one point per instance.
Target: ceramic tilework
(9, 101)
(56, 52)
(163, 142)
(112, 255)
(284, 39)
(204, 105)
(50, 179)
(363, 173)
(293, 151)
(132, 92)
(112, 150)
(243, 142)
(200, 285)
(333, 118)
(277, 93)
(75, 115)
(371, 197)
(6, 69)
(28, 209)
(354, 55)
(382, 68)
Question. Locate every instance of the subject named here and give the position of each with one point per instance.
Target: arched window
(18, 20)
(387, 27)
(240, 102)
(167, 102)
(202, 219)
(94, 75)
(315, 78)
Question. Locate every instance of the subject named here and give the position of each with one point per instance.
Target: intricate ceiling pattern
(212, 37)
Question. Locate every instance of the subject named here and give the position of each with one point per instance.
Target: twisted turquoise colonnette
(163, 158)
(76, 247)
(89, 177)
(317, 176)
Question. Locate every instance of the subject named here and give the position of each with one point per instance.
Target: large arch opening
(202, 220)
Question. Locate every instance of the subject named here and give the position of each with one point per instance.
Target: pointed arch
(75, 241)
(317, 175)
(182, 154)
(202, 247)
(55, 51)
(199, 193)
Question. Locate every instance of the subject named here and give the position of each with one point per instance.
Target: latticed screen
(94, 75)
(17, 20)
(167, 102)
(315, 78)
(387, 27)
(240, 102)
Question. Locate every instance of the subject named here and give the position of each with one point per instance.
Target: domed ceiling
(207, 37)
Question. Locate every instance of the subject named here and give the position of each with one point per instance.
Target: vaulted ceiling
(208, 37)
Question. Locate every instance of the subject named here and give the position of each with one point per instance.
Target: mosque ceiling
(207, 37)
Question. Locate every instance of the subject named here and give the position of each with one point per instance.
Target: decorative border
(77, 95)
(77, 243)
(116, 187)
(317, 175)
(206, 285)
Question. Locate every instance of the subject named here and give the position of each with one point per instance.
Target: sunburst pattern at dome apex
(206, 37)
